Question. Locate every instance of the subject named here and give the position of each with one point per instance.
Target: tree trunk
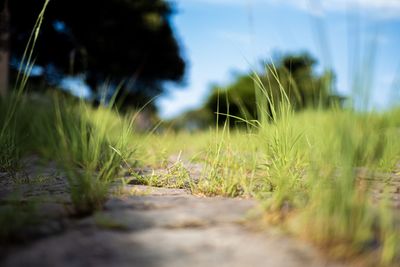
(4, 48)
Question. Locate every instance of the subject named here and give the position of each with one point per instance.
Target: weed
(174, 176)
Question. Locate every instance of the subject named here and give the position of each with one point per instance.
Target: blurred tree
(191, 121)
(113, 40)
(293, 74)
(237, 99)
(4, 46)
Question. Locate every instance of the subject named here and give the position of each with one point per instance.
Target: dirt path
(149, 227)
(146, 227)
(167, 227)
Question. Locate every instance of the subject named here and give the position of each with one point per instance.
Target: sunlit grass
(304, 169)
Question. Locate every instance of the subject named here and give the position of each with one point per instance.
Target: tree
(291, 75)
(113, 40)
(4, 46)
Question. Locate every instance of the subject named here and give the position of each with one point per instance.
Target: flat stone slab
(168, 227)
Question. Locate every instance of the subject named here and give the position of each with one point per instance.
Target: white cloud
(223, 2)
(376, 8)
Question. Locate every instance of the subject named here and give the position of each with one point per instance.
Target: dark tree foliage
(292, 73)
(4, 46)
(130, 40)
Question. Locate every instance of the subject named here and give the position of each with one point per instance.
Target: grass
(81, 138)
(300, 166)
(90, 144)
(173, 176)
(15, 217)
(83, 141)
(304, 168)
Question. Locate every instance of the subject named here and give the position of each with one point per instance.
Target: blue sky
(221, 37)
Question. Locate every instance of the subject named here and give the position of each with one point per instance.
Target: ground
(146, 226)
